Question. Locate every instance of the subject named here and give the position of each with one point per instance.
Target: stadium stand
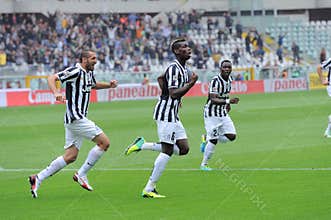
(38, 43)
(124, 42)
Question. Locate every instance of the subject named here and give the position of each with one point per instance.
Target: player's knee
(231, 137)
(70, 158)
(104, 144)
(168, 152)
(213, 141)
(184, 151)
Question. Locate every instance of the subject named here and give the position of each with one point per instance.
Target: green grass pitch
(268, 171)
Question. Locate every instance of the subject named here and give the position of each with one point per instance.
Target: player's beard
(89, 67)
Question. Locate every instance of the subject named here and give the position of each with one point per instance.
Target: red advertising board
(24, 97)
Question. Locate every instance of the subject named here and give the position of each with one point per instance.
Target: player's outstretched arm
(105, 85)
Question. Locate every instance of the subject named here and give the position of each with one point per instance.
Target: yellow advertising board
(3, 59)
(315, 82)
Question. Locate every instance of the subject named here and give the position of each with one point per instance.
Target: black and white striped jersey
(222, 88)
(326, 64)
(78, 85)
(166, 109)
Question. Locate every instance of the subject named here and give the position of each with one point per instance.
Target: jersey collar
(184, 67)
(80, 67)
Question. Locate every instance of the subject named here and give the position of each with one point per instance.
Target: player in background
(326, 65)
(78, 80)
(218, 124)
(174, 83)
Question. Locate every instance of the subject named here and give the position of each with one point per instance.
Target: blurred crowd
(132, 42)
(123, 42)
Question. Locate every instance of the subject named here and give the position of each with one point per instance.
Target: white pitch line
(177, 169)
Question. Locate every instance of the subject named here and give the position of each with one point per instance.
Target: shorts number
(215, 133)
(173, 136)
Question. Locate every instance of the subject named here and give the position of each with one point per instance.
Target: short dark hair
(174, 44)
(225, 61)
(84, 54)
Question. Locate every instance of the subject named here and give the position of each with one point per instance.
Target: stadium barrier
(285, 85)
(3, 98)
(129, 92)
(27, 97)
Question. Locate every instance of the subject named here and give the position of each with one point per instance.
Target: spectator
(145, 81)
(259, 41)
(228, 22)
(33, 39)
(248, 43)
(118, 66)
(220, 36)
(235, 57)
(295, 51)
(239, 30)
(281, 39)
(279, 53)
(322, 55)
(239, 77)
(284, 73)
(210, 25)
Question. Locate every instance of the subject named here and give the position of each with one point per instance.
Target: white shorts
(76, 131)
(217, 126)
(169, 132)
(328, 89)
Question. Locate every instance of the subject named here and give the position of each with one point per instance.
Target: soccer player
(326, 65)
(78, 80)
(218, 124)
(174, 83)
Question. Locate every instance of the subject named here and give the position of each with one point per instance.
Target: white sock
(92, 157)
(223, 139)
(55, 166)
(152, 146)
(157, 147)
(150, 186)
(159, 165)
(329, 125)
(209, 150)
